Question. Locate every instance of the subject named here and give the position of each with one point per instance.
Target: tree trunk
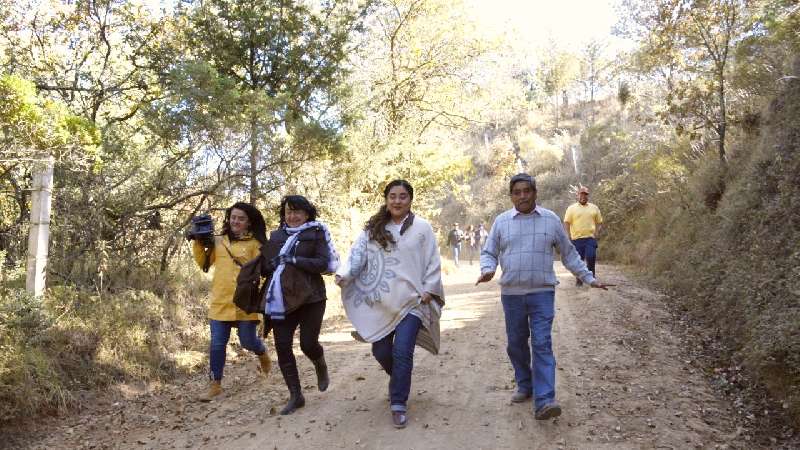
(556, 111)
(166, 253)
(721, 127)
(253, 160)
(592, 82)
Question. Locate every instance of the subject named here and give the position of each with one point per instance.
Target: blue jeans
(531, 316)
(395, 353)
(221, 332)
(456, 252)
(587, 248)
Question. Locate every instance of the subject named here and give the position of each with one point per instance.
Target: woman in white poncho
(392, 290)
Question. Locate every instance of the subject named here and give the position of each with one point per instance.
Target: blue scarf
(275, 307)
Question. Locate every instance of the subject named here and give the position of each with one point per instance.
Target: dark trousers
(587, 248)
(309, 318)
(395, 353)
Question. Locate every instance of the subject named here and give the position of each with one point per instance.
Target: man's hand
(599, 285)
(338, 280)
(484, 278)
(426, 297)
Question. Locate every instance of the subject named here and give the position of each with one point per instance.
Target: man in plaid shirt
(522, 241)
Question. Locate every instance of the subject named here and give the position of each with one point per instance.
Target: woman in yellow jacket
(243, 234)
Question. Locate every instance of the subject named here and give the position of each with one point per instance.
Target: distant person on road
(243, 234)
(392, 290)
(522, 241)
(582, 223)
(472, 248)
(454, 239)
(299, 251)
(480, 237)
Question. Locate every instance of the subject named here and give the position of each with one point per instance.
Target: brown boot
(266, 363)
(214, 389)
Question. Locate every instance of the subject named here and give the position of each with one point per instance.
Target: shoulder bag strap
(235, 261)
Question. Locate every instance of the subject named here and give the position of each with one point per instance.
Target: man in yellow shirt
(582, 223)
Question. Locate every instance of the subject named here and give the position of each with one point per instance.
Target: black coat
(301, 281)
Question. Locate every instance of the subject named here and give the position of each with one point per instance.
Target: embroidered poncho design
(381, 287)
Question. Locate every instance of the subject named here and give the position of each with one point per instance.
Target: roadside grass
(71, 340)
(726, 249)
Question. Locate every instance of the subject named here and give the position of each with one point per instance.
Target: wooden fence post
(39, 235)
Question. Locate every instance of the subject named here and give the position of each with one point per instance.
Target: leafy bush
(70, 339)
(725, 243)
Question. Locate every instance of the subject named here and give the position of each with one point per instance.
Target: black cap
(522, 177)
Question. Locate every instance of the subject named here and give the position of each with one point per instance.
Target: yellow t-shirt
(582, 220)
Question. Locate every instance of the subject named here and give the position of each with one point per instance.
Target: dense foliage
(688, 142)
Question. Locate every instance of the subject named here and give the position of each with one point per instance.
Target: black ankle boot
(296, 399)
(322, 373)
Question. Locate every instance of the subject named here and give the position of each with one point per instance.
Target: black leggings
(309, 318)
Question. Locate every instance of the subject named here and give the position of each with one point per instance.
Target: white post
(574, 158)
(40, 227)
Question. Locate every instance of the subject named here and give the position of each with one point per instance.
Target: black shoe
(578, 282)
(323, 380)
(296, 401)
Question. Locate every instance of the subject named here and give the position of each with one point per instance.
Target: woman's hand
(338, 280)
(426, 298)
(282, 259)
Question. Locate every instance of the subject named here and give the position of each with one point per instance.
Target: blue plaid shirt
(523, 245)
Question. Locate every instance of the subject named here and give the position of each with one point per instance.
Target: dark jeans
(221, 332)
(531, 316)
(309, 318)
(587, 248)
(395, 353)
(474, 253)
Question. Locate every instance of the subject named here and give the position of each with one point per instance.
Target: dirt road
(623, 381)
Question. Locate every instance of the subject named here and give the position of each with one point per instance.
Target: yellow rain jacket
(223, 282)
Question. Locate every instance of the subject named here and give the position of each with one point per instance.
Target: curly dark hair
(257, 226)
(376, 225)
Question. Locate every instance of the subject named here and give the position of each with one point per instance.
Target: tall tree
(415, 91)
(594, 68)
(557, 70)
(286, 60)
(691, 42)
(91, 57)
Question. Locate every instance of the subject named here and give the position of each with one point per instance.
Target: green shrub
(725, 244)
(71, 339)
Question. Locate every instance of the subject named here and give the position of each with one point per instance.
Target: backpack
(249, 295)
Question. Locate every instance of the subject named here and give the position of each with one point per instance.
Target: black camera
(202, 229)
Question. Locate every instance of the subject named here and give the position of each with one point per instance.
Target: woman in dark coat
(296, 256)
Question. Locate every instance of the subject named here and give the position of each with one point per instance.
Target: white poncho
(381, 287)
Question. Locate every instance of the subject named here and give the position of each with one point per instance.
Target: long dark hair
(257, 226)
(297, 202)
(376, 225)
